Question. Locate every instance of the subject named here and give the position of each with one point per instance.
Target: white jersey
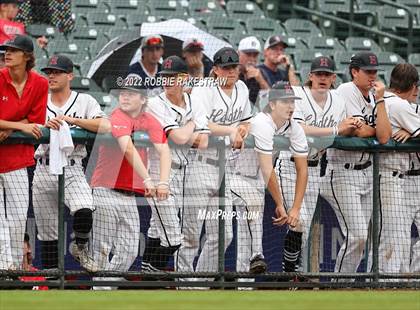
(264, 130)
(356, 105)
(172, 116)
(222, 109)
(401, 116)
(308, 112)
(78, 105)
(415, 157)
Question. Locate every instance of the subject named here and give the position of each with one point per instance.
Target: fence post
(375, 218)
(61, 236)
(222, 198)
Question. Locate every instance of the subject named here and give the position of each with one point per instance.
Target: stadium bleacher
(97, 22)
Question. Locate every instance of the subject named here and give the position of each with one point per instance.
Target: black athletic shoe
(257, 265)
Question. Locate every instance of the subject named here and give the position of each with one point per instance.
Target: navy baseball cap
(282, 91)
(323, 64)
(173, 65)
(226, 56)
(275, 40)
(364, 61)
(59, 62)
(20, 42)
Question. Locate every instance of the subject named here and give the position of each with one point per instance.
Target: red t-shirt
(8, 29)
(112, 169)
(33, 278)
(31, 105)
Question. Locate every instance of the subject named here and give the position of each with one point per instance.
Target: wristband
(162, 183)
(335, 130)
(147, 180)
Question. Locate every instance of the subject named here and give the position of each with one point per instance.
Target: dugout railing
(72, 278)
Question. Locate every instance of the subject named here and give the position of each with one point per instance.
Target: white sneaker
(81, 254)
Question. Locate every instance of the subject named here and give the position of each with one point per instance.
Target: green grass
(214, 300)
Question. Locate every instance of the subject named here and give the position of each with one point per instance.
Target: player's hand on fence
(281, 216)
(162, 191)
(379, 88)
(32, 129)
(55, 123)
(401, 136)
(347, 126)
(236, 139)
(293, 217)
(4, 134)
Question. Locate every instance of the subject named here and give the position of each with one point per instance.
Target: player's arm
(30, 129)
(230, 131)
(199, 140)
(162, 189)
(301, 164)
(134, 159)
(182, 134)
(99, 125)
(383, 125)
(344, 128)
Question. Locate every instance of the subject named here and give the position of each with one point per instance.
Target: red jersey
(8, 29)
(112, 169)
(31, 105)
(34, 278)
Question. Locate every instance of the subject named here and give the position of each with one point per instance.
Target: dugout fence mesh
(390, 260)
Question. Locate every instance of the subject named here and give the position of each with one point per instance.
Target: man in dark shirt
(192, 52)
(249, 49)
(148, 66)
(274, 56)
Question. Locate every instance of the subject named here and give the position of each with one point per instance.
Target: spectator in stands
(274, 57)
(152, 48)
(8, 27)
(192, 52)
(249, 49)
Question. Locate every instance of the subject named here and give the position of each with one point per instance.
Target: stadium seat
(414, 5)
(84, 33)
(390, 18)
(135, 20)
(264, 27)
(84, 84)
(361, 44)
(303, 58)
(342, 61)
(302, 28)
(97, 45)
(40, 63)
(371, 6)
(387, 60)
(414, 59)
(58, 47)
(326, 44)
(122, 8)
(294, 44)
(104, 21)
(223, 26)
(39, 30)
(203, 9)
(40, 52)
(243, 10)
(334, 6)
(106, 101)
(116, 32)
(167, 9)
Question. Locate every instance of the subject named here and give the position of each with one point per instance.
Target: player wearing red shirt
(121, 171)
(23, 100)
(8, 27)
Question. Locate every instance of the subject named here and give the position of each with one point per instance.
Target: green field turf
(214, 300)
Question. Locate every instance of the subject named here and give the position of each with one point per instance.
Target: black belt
(176, 166)
(413, 172)
(124, 191)
(311, 163)
(209, 161)
(358, 167)
(46, 161)
(397, 173)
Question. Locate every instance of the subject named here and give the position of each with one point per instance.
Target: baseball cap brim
(369, 68)
(9, 44)
(323, 70)
(236, 63)
(54, 68)
(250, 50)
(166, 71)
(285, 97)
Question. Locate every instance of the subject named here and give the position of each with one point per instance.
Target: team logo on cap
(288, 89)
(168, 64)
(54, 60)
(373, 60)
(323, 62)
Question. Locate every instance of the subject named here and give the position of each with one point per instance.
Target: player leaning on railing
(184, 121)
(23, 100)
(396, 218)
(320, 112)
(77, 110)
(347, 185)
(121, 173)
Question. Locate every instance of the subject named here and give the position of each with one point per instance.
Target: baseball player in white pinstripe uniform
(184, 120)
(320, 112)
(347, 185)
(396, 218)
(228, 111)
(78, 110)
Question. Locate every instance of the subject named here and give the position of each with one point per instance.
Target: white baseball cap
(192, 44)
(249, 44)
